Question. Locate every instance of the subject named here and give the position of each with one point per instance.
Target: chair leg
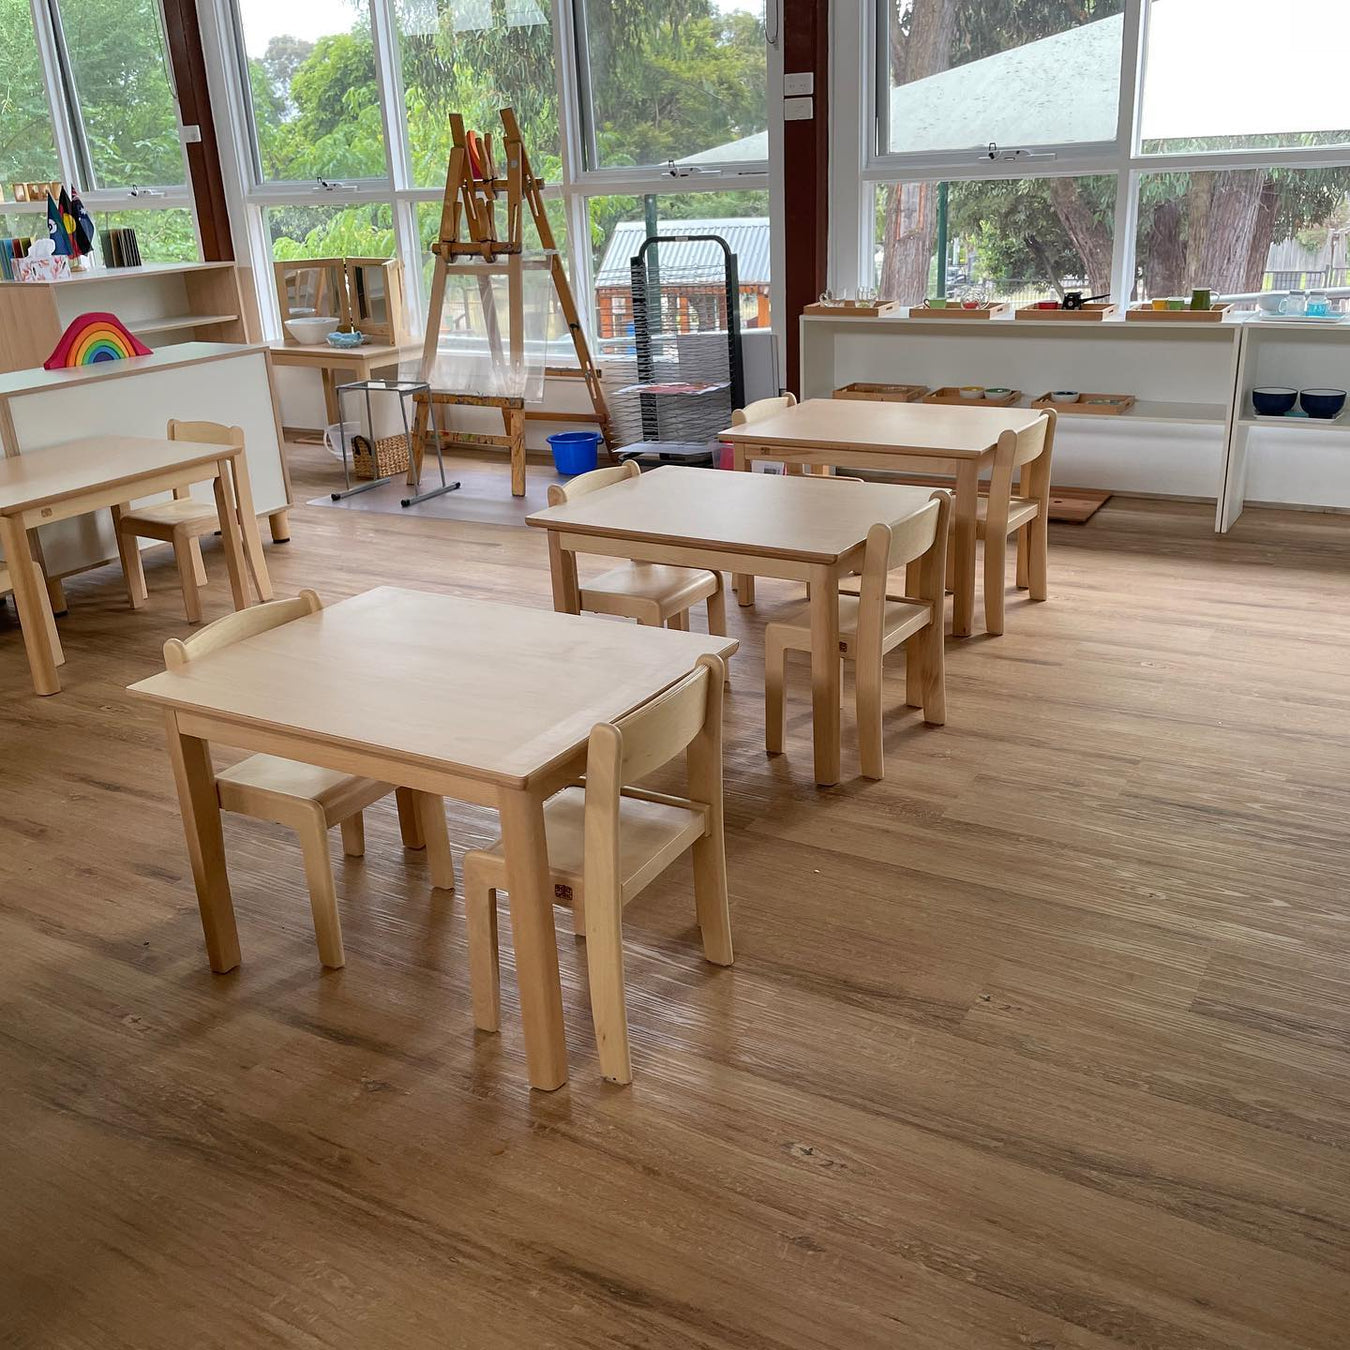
(1023, 543)
(679, 622)
(354, 835)
(409, 818)
(867, 703)
(1038, 557)
(914, 672)
(604, 966)
(322, 893)
(710, 897)
(717, 612)
(439, 862)
(480, 910)
(187, 579)
(198, 566)
(775, 697)
(48, 618)
(995, 577)
(129, 554)
(934, 666)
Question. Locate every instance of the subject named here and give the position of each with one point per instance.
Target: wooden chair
(652, 593)
(48, 618)
(762, 408)
(608, 841)
(180, 522)
(306, 798)
(872, 623)
(1026, 515)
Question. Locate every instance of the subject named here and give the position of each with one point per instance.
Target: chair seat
(651, 833)
(1020, 511)
(903, 618)
(171, 515)
(636, 585)
(255, 782)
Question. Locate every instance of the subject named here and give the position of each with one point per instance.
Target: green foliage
(27, 149)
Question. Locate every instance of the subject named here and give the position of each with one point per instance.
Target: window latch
(994, 151)
(144, 192)
(329, 185)
(688, 170)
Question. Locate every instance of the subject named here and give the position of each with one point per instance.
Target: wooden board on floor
(1076, 505)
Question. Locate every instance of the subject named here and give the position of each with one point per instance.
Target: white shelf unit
(1301, 461)
(1173, 441)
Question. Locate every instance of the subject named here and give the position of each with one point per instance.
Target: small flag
(68, 220)
(84, 226)
(56, 228)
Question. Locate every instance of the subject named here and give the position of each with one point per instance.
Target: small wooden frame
(1092, 311)
(882, 393)
(318, 285)
(1089, 405)
(1147, 314)
(853, 309)
(989, 309)
(950, 393)
(375, 299)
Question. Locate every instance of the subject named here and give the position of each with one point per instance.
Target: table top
(904, 428)
(319, 353)
(770, 514)
(474, 687)
(40, 477)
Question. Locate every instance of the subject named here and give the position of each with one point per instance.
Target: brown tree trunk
(1258, 252)
(911, 208)
(1088, 235)
(1165, 265)
(1222, 213)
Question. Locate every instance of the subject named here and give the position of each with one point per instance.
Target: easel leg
(515, 429)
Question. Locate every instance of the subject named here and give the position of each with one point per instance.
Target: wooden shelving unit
(181, 301)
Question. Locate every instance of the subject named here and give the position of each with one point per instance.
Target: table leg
(248, 525)
(196, 783)
(527, 880)
(32, 605)
(280, 524)
(330, 398)
(562, 566)
(825, 673)
(744, 586)
(229, 533)
(963, 529)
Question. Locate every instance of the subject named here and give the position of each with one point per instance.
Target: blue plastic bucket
(575, 451)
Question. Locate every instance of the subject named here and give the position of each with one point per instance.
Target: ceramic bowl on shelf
(1064, 396)
(997, 391)
(1322, 402)
(311, 330)
(1274, 400)
(971, 391)
(346, 341)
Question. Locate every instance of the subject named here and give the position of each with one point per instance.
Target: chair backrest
(205, 433)
(560, 493)
(244, 623)
(687, 716)
(1030, 451)
(762, 408)
(921, 537)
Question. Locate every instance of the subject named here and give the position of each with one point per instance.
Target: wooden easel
(472, 191)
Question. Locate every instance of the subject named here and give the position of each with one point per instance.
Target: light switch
(802, 82)
(798, 109)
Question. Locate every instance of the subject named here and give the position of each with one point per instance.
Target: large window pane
(27, 149)
(963, 73)
(619, 225)
(119, 66)
(1018, 239)
(475, 57)
(1221, 75)
(676, 79)
(1242, 231)
(316, 106)
(364, 231)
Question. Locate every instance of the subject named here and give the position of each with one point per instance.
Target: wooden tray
(882, 393)
(1083, 408)
(949, 394)
(956, 312)
(1147, 314)
(1094, 310)
(853, 309)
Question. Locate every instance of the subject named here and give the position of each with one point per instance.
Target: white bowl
(971, 392)
(311, 331)
(1064, 396)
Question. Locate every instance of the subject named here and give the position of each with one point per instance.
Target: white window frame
(857, 169)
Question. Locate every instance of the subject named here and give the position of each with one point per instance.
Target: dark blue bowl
(1274, 402)
(1322, 402)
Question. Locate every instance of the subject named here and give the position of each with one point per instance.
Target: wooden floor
(1043, 1042)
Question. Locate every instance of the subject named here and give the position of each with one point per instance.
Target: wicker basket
(390, 457)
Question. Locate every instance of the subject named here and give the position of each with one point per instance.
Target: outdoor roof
(746, 236)
(1029, 95)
